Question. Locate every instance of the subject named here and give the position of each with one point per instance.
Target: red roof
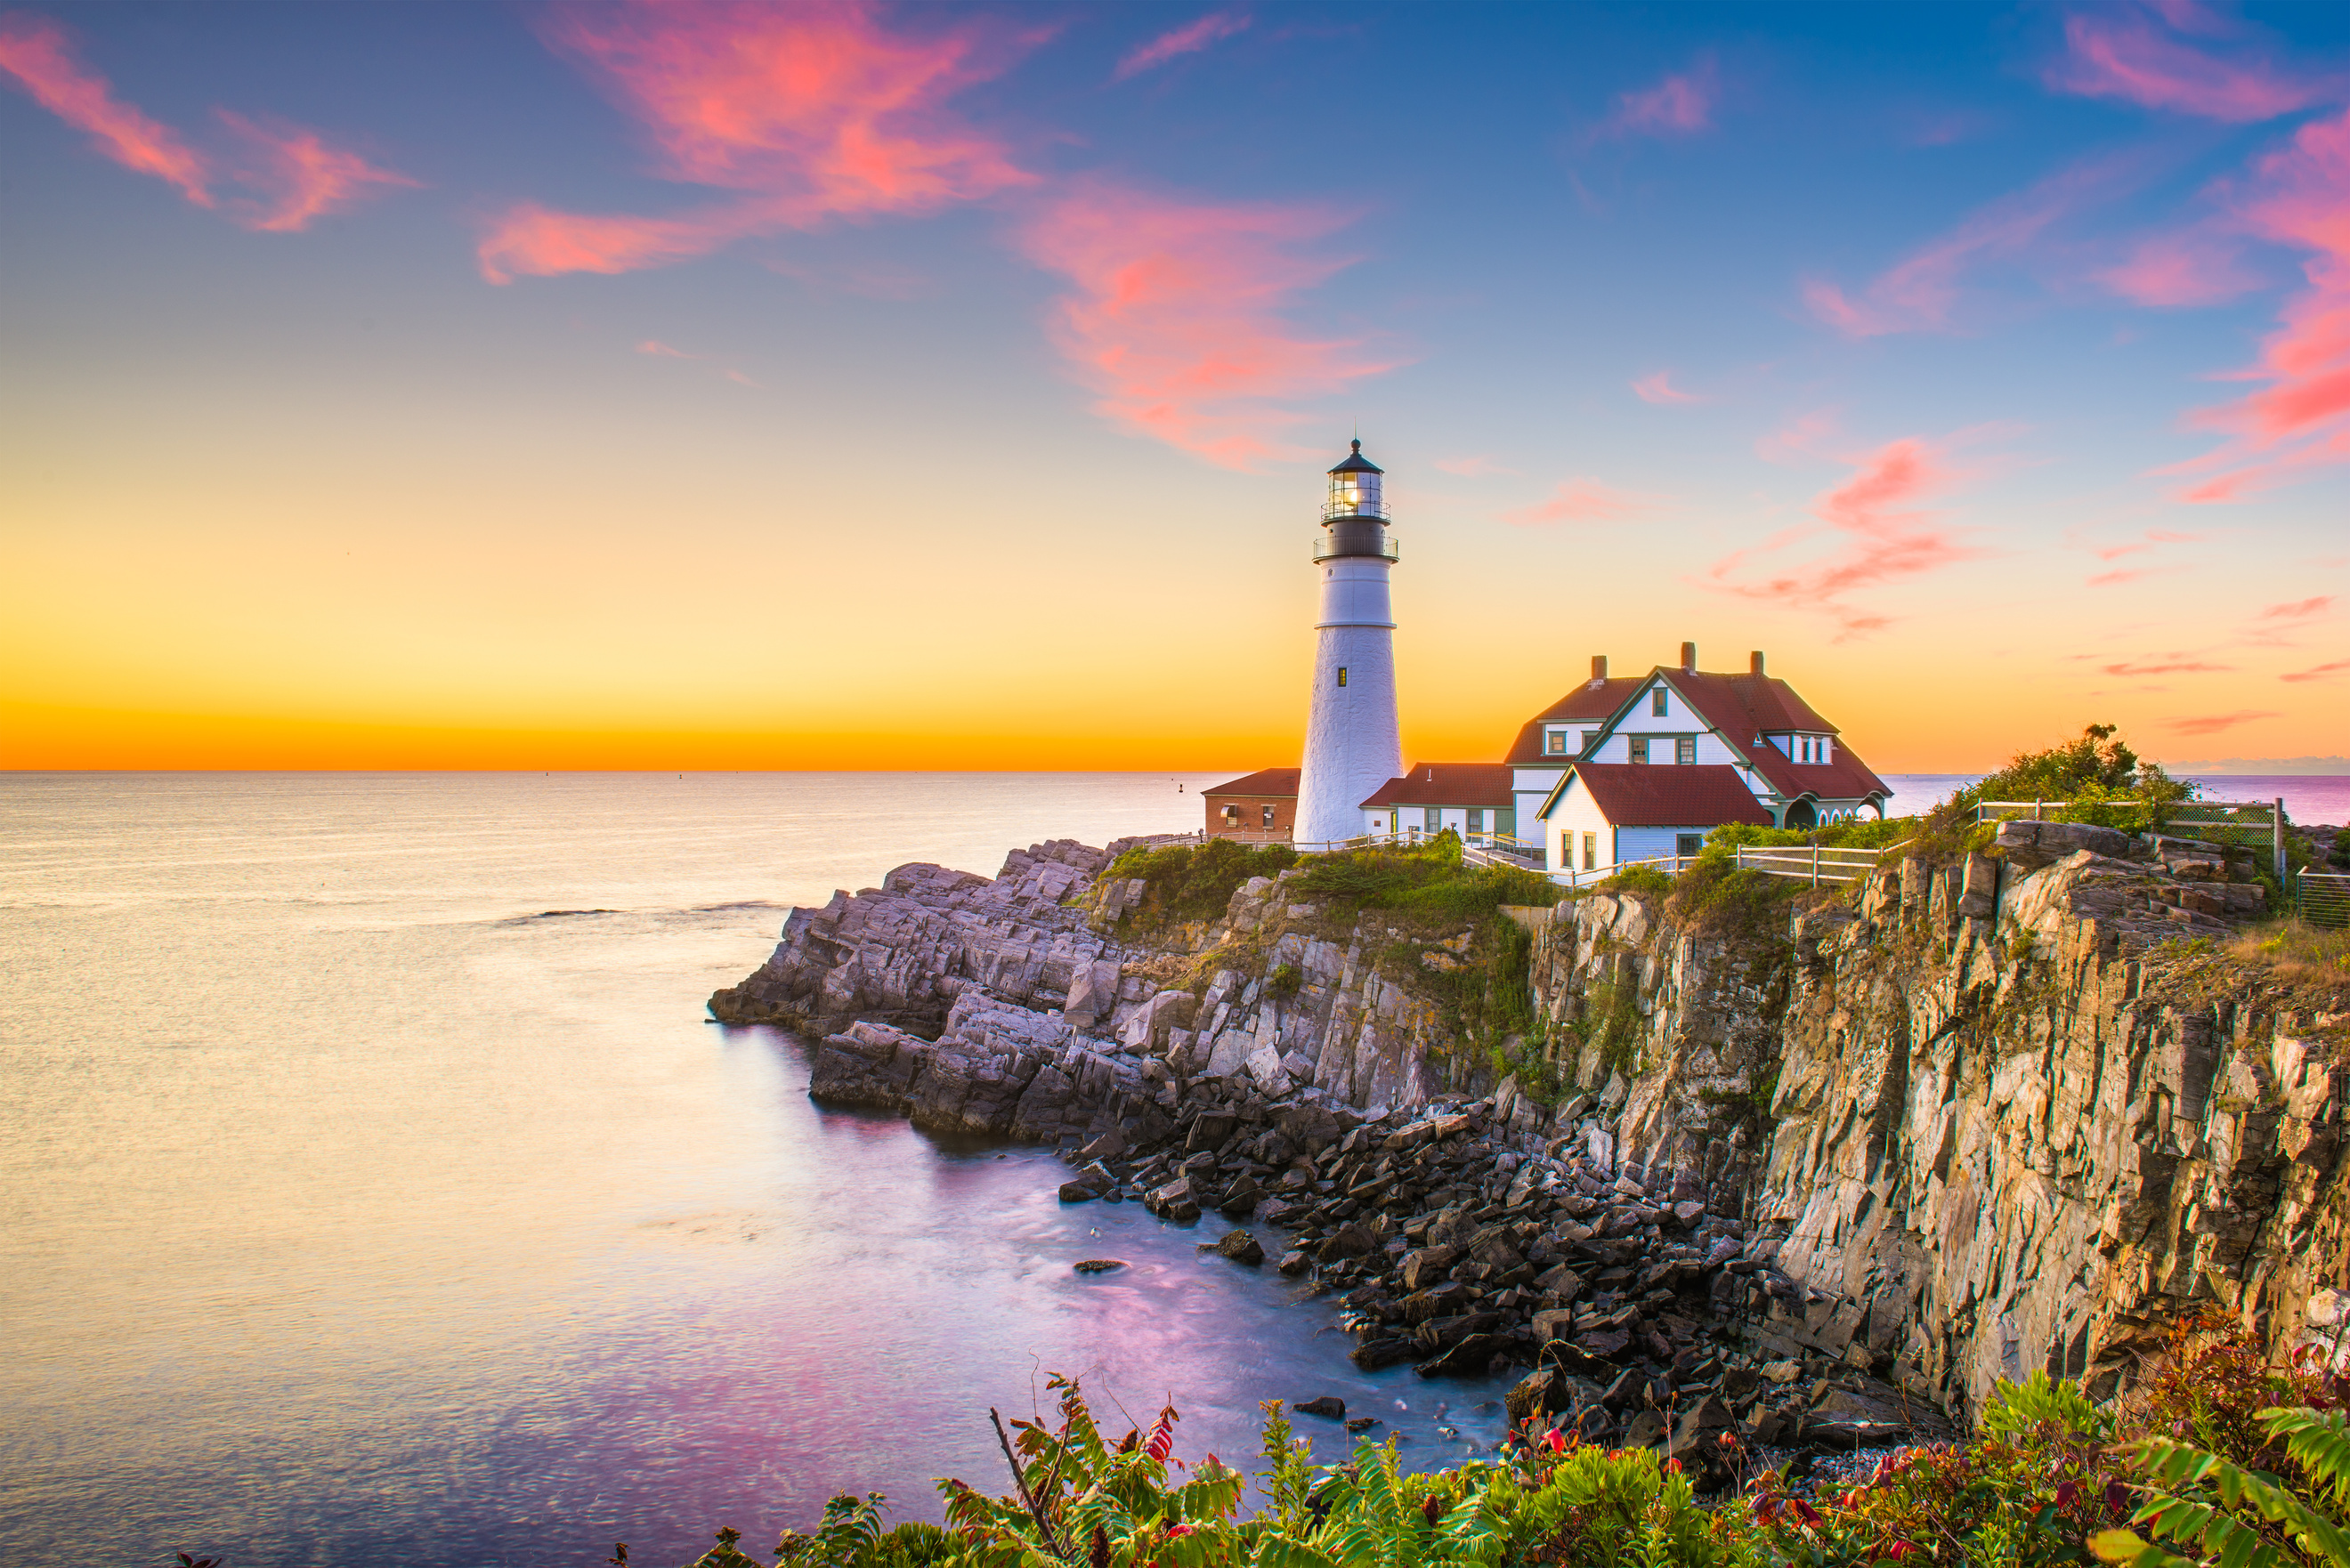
(1277, 782)
(1593, 702)
(1744, 707)
(1446, 783)
(1666, 794)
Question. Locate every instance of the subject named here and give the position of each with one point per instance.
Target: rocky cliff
(2011, 1113)
(1774, 1159)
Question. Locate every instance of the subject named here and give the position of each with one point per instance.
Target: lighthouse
(1352, 746)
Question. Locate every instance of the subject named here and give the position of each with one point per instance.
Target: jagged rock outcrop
(907, 950)
(1808, 1168)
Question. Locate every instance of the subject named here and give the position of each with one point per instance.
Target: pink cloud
(2116, 55)
(2299, 609)
(2211, 725)
(813, 111)
(659, 349)
(2184, 269)
(2299, 195)
(1921, 292)
(1799, 440)
(1889, 538)
(1178, 320)
(301, 176)
(2155, 539)
(2319, 672)
(291, 172)
(37, 53)
(2115, 579)
(1585, 501)
(1472, 467)
(1680, 105)
(2175, 667)
(1660, 388)
(529, 240)
(1189, 38)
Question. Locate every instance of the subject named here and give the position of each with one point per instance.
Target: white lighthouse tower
(1352, 746)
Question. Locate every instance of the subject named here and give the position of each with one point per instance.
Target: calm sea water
(360, 1210)
(376, 1192)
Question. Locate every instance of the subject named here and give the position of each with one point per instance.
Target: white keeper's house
(1635, 767)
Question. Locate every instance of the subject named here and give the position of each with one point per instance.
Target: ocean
(378, 1192)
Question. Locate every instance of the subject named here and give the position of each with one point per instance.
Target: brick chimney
(1688, 656)
(1599, 667)
(1754, 661)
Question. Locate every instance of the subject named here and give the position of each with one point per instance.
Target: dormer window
(1554, 742)
(1657, 705)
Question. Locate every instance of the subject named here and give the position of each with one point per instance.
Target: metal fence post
(2279, 823)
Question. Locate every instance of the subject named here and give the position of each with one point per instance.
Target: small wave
(560, 914)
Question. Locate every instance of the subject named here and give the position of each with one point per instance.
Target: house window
(1476, 819)
(1435, 819)
(1554, 742)
(1342, 675)
(1589, 736)
(1639, 748)
(1268, 816)
(1689, 844)
(1657, 704)
(1591, 852)
(1685, 749)
(1232, 817)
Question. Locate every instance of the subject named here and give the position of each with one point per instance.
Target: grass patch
(1428, 879)
(1192, 882)
(2295, 949)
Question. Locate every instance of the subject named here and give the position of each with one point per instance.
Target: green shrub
(2108, 783)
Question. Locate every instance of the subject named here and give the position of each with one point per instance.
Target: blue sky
(841, 385)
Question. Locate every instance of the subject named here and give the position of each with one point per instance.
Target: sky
(663, 385)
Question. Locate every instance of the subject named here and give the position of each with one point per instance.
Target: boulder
(1469, 1358)
(1352, 1240)
(2029, 846)
(1293, 1262)
(1326, 1405)
(1425, 1266)
(1441, 1301)
(1240, 1247)
(1538, 1393)
(1646, 1429)
(1099, 1265)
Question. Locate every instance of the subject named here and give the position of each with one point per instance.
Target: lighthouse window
(1342, 675)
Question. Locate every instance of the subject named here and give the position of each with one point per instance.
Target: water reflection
(359, 1212)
